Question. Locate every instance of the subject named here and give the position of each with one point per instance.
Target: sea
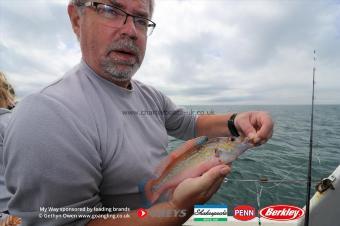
(283, 160)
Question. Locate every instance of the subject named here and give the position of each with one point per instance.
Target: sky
(202, 52)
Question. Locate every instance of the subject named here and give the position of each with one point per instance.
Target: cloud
(201, 52)
(36, 44)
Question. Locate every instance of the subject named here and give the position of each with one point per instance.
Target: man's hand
(188, 193)
(257, 125)
(200, 189)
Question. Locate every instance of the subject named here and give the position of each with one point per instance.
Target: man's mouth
(125, 52)
(124, 55)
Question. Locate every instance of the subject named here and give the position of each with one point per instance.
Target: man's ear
(74, 18)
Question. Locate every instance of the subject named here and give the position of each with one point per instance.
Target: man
(71, 145)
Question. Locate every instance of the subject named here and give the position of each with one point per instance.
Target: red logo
(282, 212)
(141, 213)
(244, 212)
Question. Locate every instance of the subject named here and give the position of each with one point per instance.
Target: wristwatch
(232, 127)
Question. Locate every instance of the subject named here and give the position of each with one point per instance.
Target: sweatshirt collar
(89, 71)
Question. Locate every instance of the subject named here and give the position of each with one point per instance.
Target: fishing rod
(309, 175)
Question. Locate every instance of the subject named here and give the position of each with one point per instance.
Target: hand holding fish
(200, 189)
(192, 160)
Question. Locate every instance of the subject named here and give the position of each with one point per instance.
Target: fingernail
(225, 170)
(201, 140)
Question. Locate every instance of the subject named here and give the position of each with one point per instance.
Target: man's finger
(212, 175)
(266, 129)
(246, 128)
(267, 126)
(215, 187)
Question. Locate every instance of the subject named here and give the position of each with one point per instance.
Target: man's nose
(128, 28)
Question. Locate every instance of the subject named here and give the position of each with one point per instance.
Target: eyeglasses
(119, 17)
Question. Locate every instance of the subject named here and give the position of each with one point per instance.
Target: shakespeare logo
(210, 212)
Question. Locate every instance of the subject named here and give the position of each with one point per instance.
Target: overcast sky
(201, 52)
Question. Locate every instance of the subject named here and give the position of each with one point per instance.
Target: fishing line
(309, 174)
(316, 152)
(259, 188)
(269, 181)
(317, 155)
(264, 179)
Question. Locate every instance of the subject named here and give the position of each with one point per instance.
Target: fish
(180, 165)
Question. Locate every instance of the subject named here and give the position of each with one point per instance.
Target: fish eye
(232, 138)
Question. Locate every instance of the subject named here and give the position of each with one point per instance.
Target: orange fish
(193, 162)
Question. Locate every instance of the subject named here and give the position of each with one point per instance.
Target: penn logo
(244, 212)
(282, 212)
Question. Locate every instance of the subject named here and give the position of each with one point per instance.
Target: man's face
(114, 52)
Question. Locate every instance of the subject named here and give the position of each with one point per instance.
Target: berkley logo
(282, 212)
(244, 212)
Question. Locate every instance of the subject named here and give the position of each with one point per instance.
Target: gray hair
(81, 2)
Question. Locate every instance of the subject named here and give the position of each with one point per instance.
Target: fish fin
(178, 153)
(141, 188)
(170, 193)
(150, 195)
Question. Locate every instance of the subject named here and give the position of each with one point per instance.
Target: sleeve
(178, 122)
(4, 194)
(50, 162)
